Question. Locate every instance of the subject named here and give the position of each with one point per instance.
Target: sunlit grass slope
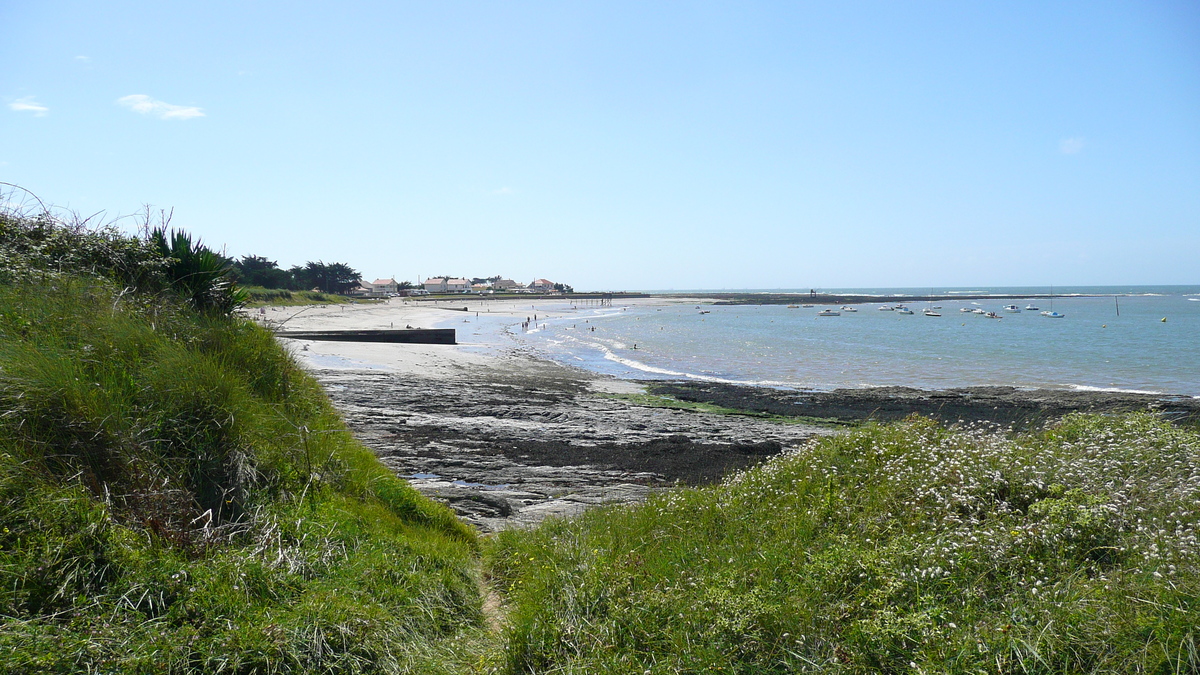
(176, 495)
(258, 296)
(904, 548)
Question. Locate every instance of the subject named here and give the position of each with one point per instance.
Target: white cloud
(140, 103)
(1070, 146)
(27, 104)
(83, 59)
(503, 191)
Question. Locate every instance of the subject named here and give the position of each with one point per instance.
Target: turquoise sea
(772, 345)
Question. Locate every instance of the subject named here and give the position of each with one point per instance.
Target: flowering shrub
(899, 548)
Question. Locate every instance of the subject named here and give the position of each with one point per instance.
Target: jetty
(423, 336)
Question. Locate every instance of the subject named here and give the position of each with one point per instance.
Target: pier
(423, 336)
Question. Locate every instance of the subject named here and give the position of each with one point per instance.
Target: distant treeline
(253, 270)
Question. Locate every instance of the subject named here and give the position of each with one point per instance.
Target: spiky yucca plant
(197, 273)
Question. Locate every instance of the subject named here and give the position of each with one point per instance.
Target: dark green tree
(330, 278)
(254, 270)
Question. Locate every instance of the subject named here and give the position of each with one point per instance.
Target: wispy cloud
(83, 59)
(27, 104)
(1071, 146)
(504, 191)
(140, 103)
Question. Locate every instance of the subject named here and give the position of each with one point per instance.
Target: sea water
(1151, 346)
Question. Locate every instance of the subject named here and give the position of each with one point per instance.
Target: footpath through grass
(894, 549)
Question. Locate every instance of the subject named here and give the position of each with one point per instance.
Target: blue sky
(630, 145)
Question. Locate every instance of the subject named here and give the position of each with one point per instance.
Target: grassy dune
(901, 548)
(258, 296)
(176, 495)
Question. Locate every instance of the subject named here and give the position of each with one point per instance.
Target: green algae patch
(664, 401)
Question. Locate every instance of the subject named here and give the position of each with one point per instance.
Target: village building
(505, 285)
(386, 286)
(447, 285)
(362, 290)
(541, 285)
(380, 288)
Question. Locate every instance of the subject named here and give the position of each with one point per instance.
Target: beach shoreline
(507, 438)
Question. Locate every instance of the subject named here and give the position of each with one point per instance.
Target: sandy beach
(507, 439)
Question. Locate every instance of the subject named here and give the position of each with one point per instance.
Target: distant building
(505, 285)
(457, 285)
(380, 288)
(386, 286)
(541, 285)
(435, 285)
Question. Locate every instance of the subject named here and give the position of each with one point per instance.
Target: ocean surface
(773, 345)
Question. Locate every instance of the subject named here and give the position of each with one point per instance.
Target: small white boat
(965, 309)
(1053, 315)
(977, 310)
(847, 308)
(993, 315)
(930, 312)
(1030, 308)
(904, 310)
(829, 312)
(885, 308)
(806, 305)
(1011, 308)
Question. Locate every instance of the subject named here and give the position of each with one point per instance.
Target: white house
(541, 285)
(458, 285)
(505, 285)
(435, 285)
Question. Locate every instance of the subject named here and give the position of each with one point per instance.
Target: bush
(901, 548)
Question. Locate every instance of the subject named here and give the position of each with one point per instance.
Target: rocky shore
(1005, 406)
(512, 441)
(507, 439)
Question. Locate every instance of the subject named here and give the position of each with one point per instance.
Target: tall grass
(259, 296)
(177, 495)
(905, 548)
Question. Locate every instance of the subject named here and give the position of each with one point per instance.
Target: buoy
(1164, 319)
(1104, 326)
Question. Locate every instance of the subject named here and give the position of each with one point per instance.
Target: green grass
(177, 495)
(663, 401)
(269, 297)
(901, 548)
